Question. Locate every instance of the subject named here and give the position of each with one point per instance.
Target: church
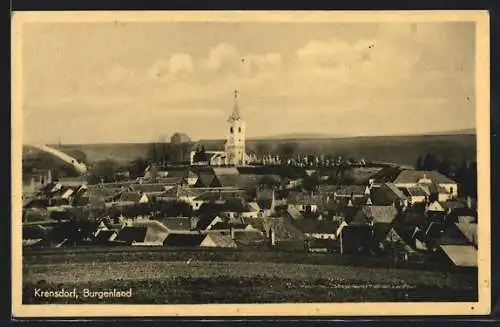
(234, 146)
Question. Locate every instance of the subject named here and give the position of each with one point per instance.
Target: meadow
(181, 276)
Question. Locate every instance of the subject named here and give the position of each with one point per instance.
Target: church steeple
(235, 115)
(235, 143)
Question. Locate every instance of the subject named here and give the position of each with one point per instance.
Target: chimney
(232, 233)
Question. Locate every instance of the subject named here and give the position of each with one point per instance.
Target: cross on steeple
(235, 115)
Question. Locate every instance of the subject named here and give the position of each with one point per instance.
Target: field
(168, 277)
(399, 149)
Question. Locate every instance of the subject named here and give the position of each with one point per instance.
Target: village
(244, 202)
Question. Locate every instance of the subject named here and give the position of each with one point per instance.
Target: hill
(398, 149)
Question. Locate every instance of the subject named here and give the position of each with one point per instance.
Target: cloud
(222, 55)
(118, 73)
(179, 63)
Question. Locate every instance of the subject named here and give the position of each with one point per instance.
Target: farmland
(206, 278)
(398, 149)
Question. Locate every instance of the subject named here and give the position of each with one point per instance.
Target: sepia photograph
(250, 163)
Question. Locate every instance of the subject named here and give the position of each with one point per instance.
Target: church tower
(235, 143)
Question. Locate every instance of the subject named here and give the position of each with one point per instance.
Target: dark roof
(413, 176)
(377, 214)
(181, 240)
(453, 205)
(348, 190)
(304, 199)
(207, 179)
(224, 226)
(132, 234)
(265, 204)
(103, 236)
(148, 188)
(176, 223)
(453, 236)
(414, 191)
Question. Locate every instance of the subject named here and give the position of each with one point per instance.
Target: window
(239, 129)
(231, 130)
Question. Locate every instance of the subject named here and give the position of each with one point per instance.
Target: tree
(430, 162)
(262, 148)
(445, 167)
(103, 170)
(419, 165)
(287, 150)
(137, 167)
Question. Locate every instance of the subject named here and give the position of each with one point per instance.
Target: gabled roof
(207, 179)
(413, 176)
(220, 240)
(348, 190)
(470, 232)
(303, 199)
(148, 188)
(314, 226)
(176, 223)
(415, 191)
(453, 236)
(453, 205)
(132, 234)
(168, 181)
(377, 214)
(130, 197)
(461, 255)
(181, 240)
(104, 235)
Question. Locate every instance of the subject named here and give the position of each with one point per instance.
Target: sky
(141, 81)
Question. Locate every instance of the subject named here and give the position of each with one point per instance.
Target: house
(320, 229)
(307, 203)
(459, 255)
(397, 244)
(266, 201)
(199, 240)
(279, 230)
(412, 178)
(457, 247)
(206, 222)
(218, 240)
(131, 198)
(178, 224)
(379, 220)
(184, 240)
(470, 232)
(156, 231)
(149, 189)
(416, 194)
(207, 179)
(185, 175)
(103, 237)
(132, 235)
(389, 194)
(375, 215)
(322, 245)
(352, 191)
(249, 238)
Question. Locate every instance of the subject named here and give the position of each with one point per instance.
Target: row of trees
(462, 171)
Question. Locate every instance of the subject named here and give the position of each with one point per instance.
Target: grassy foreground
(157, 282)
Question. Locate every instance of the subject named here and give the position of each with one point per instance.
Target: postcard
(250, 163)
